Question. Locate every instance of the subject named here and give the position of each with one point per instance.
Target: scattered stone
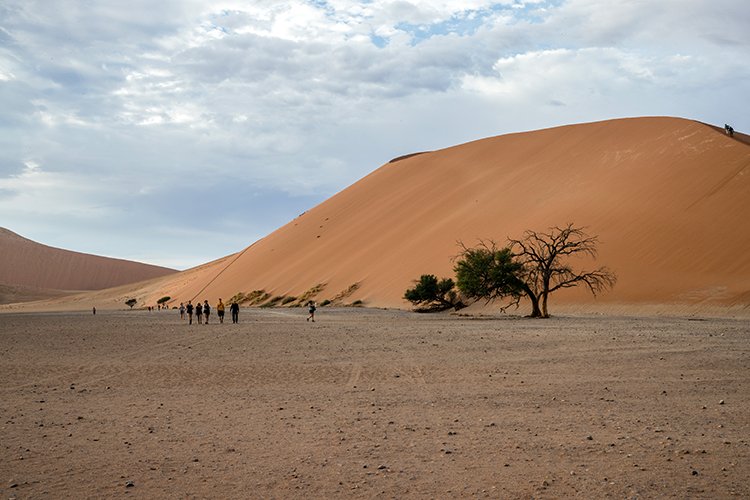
(589, 438)
(129, 484)
(721, 402)
(695, 472)
(382, 467)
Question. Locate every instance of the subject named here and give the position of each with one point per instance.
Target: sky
(180, 131)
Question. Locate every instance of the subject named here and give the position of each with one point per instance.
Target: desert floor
(373, 404)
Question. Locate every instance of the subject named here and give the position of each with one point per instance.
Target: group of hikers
(203, 311)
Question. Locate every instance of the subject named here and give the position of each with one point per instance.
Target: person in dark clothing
(234, 308)
(206, 310)
(199, 312)
(311, 310)
(189, 310)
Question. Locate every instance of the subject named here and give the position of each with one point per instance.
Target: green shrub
(432, 294)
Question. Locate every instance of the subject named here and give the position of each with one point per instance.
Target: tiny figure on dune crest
(729, 130)
(206, 310)
(234, 308)
(199, 312)
(311, 309)
(220, 310)
(182, 310)
(94, 310)
(189, 310)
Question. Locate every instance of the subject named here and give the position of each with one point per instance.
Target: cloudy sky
(179, 131)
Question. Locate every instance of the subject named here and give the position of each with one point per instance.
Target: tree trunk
(544, 312)
(535, 311)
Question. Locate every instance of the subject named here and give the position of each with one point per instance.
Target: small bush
(163, 299)
(273, 302)
(325, 303)
(432, 294)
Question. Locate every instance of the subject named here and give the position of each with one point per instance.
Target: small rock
(695, 472)
(589, 438)
(721, 402)
(129, 484)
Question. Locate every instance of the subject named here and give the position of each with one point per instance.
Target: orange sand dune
(25, 264)
(669, 199)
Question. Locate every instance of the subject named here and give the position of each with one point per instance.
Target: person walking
(206, 310)
(220, 310)
(189, 310)
(182, 310)
(199, 312)
(311, 309)
(234, 308)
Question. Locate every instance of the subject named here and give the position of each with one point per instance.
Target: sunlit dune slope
(27, 264)
(669, 199)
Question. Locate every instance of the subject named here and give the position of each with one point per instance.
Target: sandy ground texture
(373, 404)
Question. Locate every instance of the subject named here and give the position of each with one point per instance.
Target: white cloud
(289, 101)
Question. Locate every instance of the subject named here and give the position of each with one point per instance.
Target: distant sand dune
(31, 268)
(669, 199)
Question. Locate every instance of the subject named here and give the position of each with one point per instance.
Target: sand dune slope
(25, 263)
(669, 199)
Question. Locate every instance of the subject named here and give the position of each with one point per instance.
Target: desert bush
(433, 294)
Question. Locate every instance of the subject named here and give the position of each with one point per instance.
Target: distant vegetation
(261, 298)
(131, 302)
(533, 267)
(163, 299)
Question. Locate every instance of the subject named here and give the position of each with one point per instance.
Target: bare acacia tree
(544, 270)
